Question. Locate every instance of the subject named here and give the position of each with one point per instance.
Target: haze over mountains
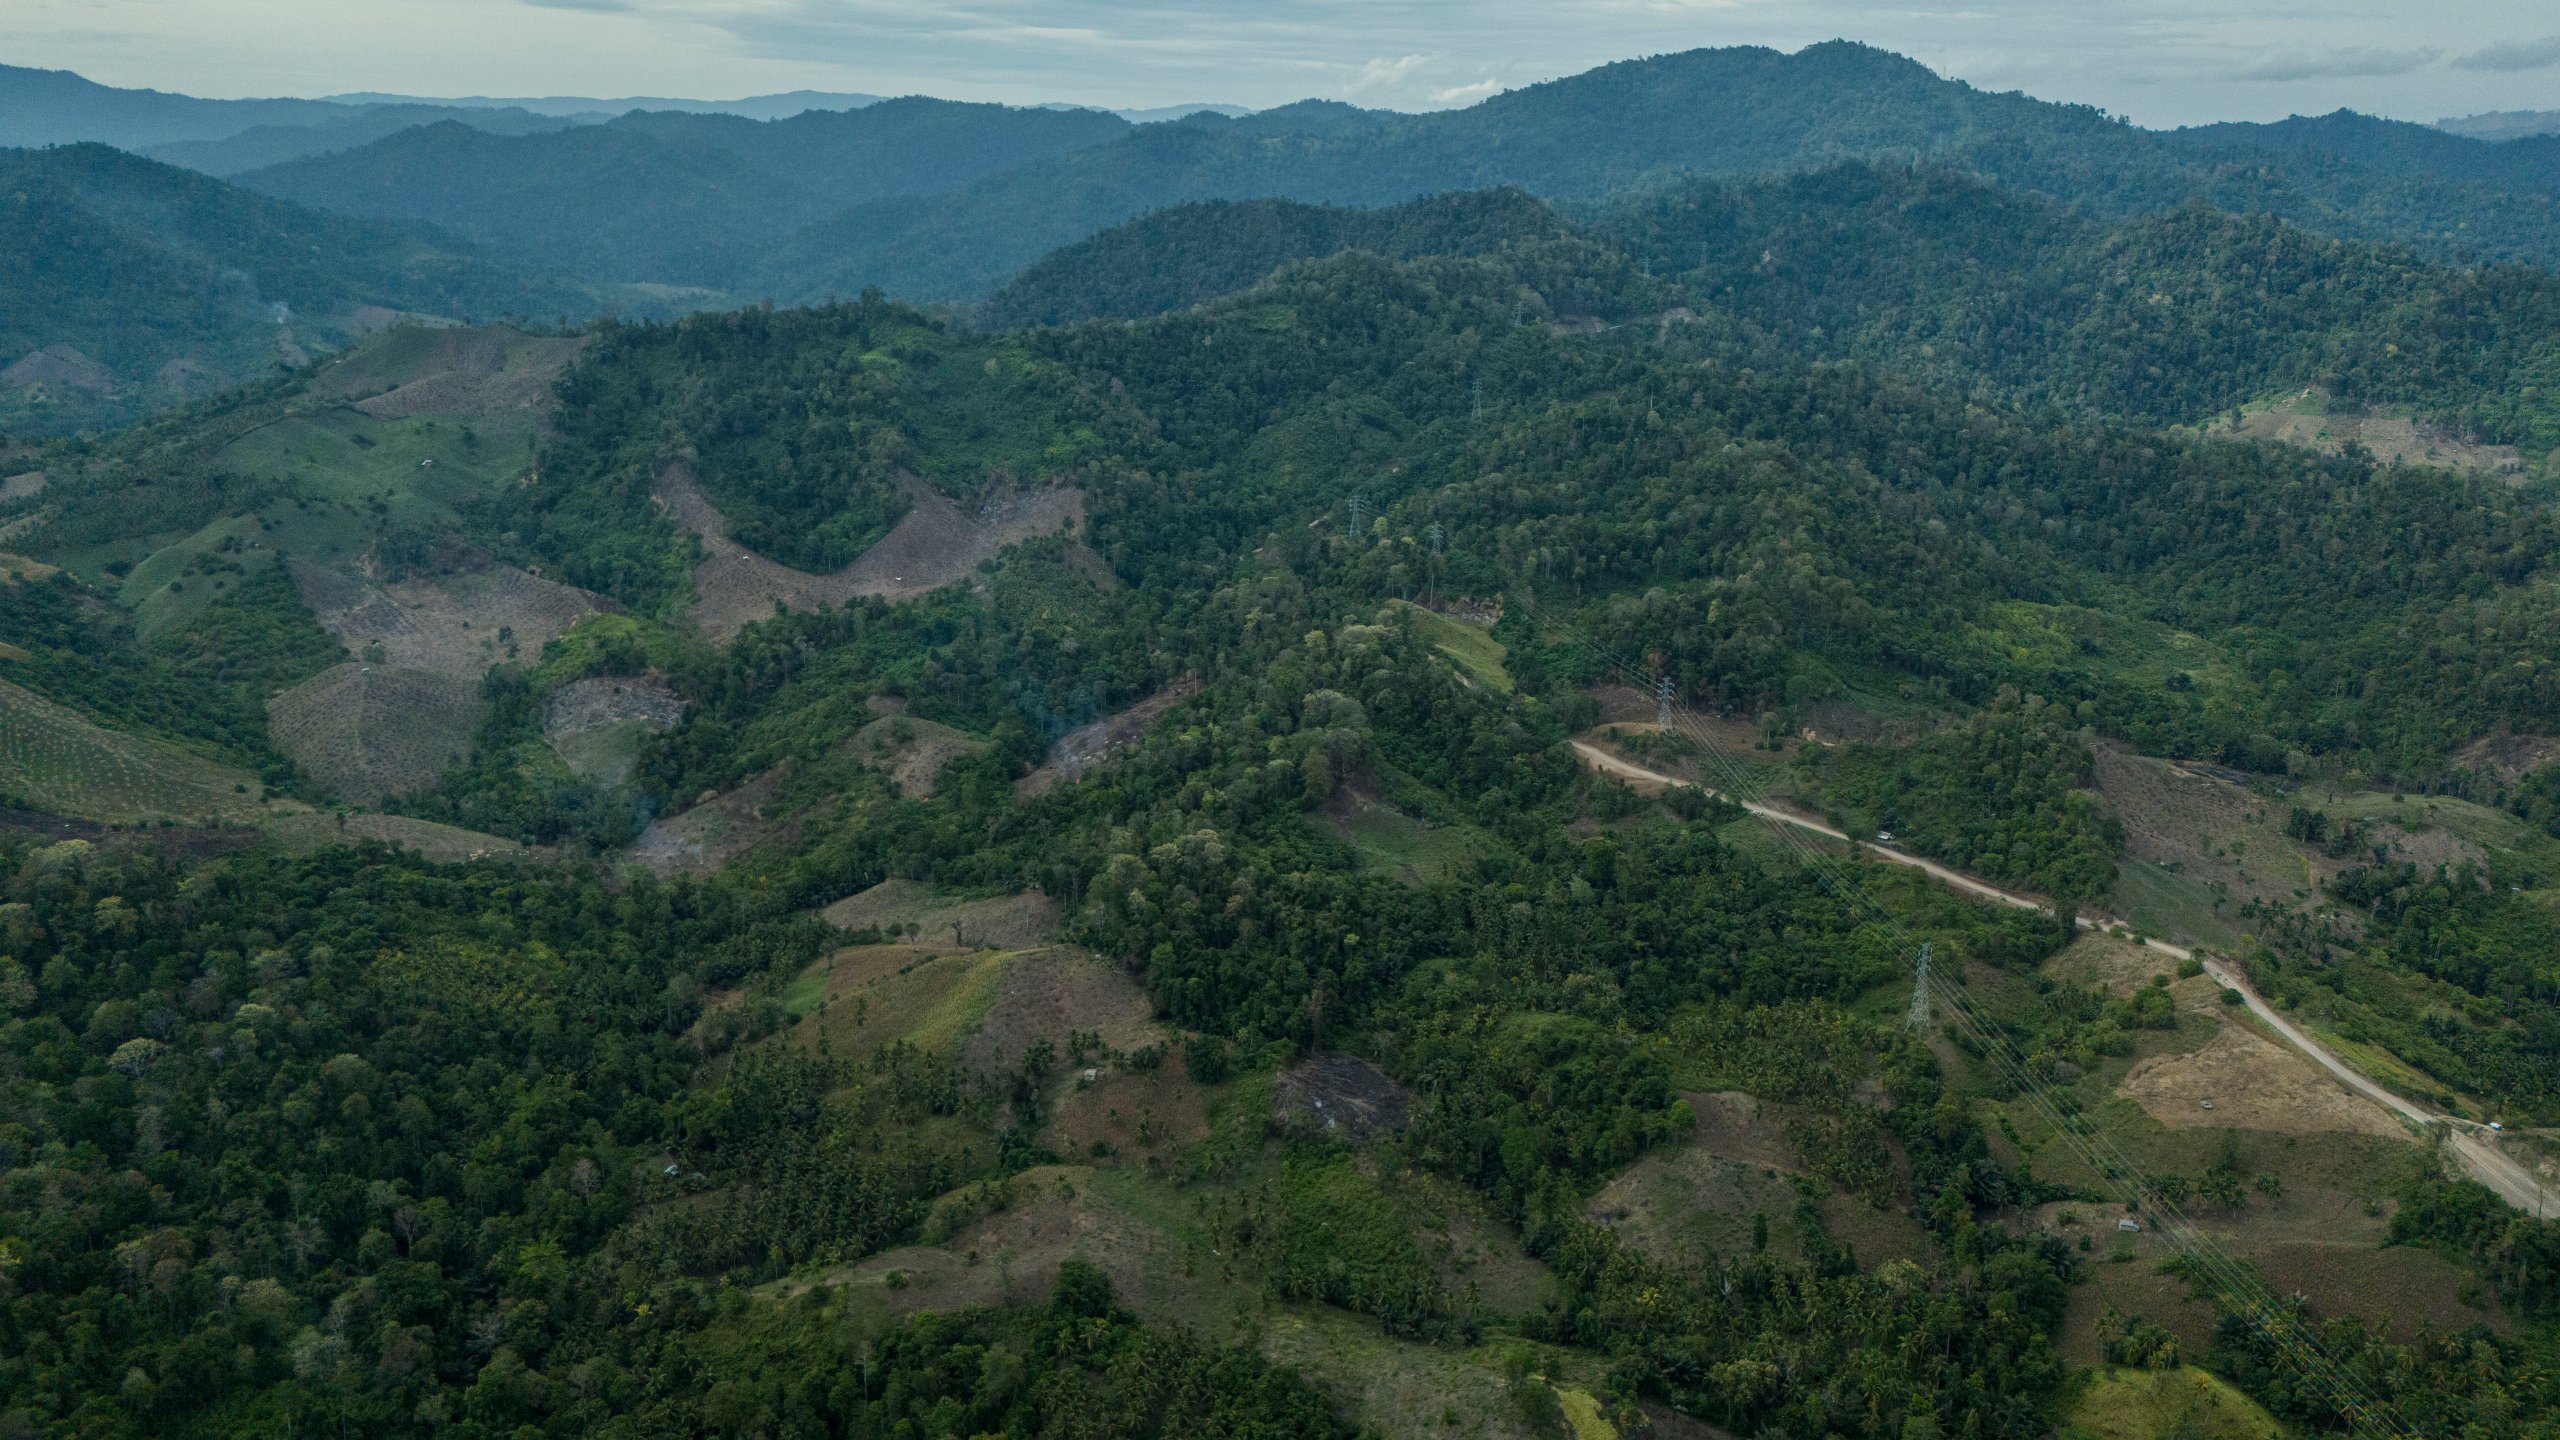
(1240, 810)
(660, 210)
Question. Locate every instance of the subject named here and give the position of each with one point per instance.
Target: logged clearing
(1341, 1095)
(1412, 849)
(596, 725)
(1051, 993)
(911, 752)
(1006, 922)
(54, 759)
(2252, 1083)
(2507, 756)
(369, 732)
(936, 543)
(1089, 745)
(2307, 420)
(714, 832)
(2184, 1403)
(480, 370)
(456, 625)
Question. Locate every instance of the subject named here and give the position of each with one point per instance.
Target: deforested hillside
(1860, 800)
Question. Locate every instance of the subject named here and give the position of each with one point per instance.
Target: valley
(1749, 745)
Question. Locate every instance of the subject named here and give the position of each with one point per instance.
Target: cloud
(1384, 74)
(2334, 64)
(1467, 94)
(2514, 55)
(595, 7)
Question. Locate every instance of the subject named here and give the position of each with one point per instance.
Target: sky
(2161, 62)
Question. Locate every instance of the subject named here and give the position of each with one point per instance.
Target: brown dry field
(449, 624)
(369, 732)
(936, 543)
(1046, 994)
(1089, 745)
(1007, 922)
(714, 832)
(915, 763)
(1138, 1115)
(2253, 1083)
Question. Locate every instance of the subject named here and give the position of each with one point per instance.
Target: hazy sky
(2161, 61)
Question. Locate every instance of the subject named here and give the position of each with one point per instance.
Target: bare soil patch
(1052, 992)
(936, 543)
(911, 751)
(713, 833)
(1089, 745)
(1742, 1127)
(26, 485)
(2197, 823)
(2508, 756)
(456, 625)
(1126, 1117)
(59, 366)
(477, 371)
(1006, 922)
(2252, 1083)
(1343, 1095)
(596, 725)
(369, 732)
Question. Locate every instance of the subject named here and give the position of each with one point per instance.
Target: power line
(2105, 1160)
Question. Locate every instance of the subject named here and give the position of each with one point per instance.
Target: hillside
(670, 196)
(1878, 797)
(132, 285)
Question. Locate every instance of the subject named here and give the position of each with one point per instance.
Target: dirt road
(2472, 1145)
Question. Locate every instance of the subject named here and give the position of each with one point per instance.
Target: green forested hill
(674, 197)
(1180, 977)
(816, 205)
(173, 284)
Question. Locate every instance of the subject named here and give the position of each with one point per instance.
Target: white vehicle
(2497, 1125)
(1885, 836)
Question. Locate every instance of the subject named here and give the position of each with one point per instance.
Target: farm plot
(2307, 420)
(369, 732)
(53, 759)
(1006, 922)
(713, 833)
(457, 625)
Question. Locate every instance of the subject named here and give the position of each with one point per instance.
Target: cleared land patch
(417, 370)
(936, 543)
(457, 625)
(2252, 1083)
(2184, 1403)
(369, 732)
(1005, 922)
(1089, 745)
(2306, 420)
(713, 833)
(596, 724)
(911, 751)
(54, 759)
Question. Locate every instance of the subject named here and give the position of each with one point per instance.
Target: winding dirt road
(2472, 1145)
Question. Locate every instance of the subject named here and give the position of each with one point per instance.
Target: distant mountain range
(2504, 124)
(544, 207)
(225, 137)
